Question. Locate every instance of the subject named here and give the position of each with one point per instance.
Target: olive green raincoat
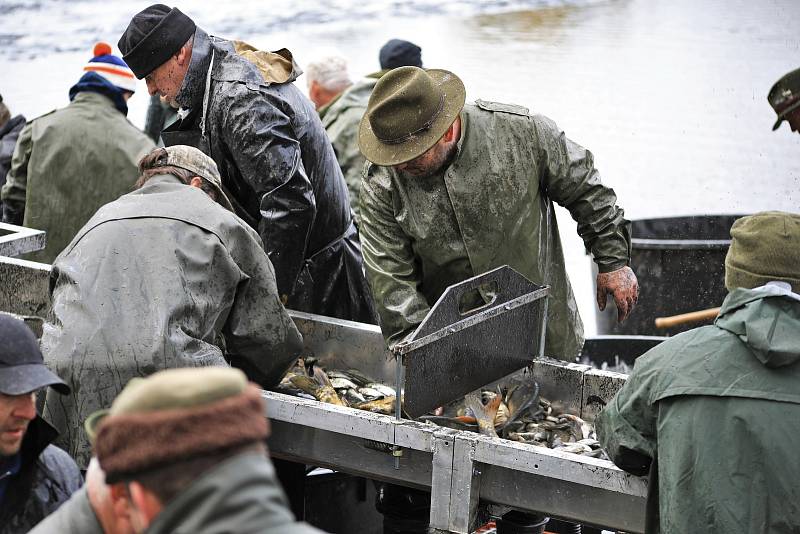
(163, 277)
(70, 162)
(492, 206)
(713, 415)
(341, 119)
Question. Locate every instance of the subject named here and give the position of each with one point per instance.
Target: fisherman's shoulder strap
(497, 107)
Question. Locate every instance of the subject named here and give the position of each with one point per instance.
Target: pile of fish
(344, 388)
(518, 413)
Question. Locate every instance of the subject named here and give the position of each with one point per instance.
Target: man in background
(35, 476)
(342, 115)
(327, 77)
(71, 161)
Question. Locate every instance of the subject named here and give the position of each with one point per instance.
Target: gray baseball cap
(194, 160)
(22, 368)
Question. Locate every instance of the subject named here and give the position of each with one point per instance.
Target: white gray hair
(330, 72)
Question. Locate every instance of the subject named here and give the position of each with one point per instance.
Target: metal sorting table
(459, 468)
(17, 240)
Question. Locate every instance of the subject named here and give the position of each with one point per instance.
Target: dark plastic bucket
(515, 522)
(680, 264)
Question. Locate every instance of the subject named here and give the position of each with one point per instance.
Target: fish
(352, 396)
(385, 406)
(311, 386)
(484, 414)
(339, 382)
(456, 423)
(370, 393)
(384, 390)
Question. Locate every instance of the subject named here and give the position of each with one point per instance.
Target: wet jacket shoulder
(75, 516)
(174, 259)
(281, 174)
(46, 480)
(696, 392)
(8, 140)
(70, 162)
(240, 495)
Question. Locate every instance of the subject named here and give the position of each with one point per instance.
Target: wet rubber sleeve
(260, 337)
(570, 179)
(627, 426)
(14, 191)
(267, 153)
(392, 268)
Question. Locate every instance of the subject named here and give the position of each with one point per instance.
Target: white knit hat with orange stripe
(111, 68)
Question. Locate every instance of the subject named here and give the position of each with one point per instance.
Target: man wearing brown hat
(166, 276)
(713, 414)
(276, 163)
(457, 190)
(185, 449)
(784, 97)
(36, 477)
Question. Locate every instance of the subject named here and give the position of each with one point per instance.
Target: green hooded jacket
(341, 119)
(713, 415)
(70, 162)
(240, 495)
(490, 207)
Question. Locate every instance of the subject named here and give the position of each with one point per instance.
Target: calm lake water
(670, 95)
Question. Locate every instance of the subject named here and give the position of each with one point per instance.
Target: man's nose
(25, 406)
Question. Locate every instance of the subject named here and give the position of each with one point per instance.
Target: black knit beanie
(399, 53)
(153, 36)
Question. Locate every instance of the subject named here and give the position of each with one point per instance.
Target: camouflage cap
(174, 415)
(784, 97)
(194, 160)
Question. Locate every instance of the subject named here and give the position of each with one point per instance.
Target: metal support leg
(441, 480)
(465, 491)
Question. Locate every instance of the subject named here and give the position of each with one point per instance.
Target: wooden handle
(691, 317)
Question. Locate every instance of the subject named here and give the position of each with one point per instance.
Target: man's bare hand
(623, 286)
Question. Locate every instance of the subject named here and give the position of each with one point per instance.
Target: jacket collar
(39, 435)
(193, 88)
(17, 121)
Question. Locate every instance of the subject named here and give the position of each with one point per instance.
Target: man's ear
(450, 134)
(183, 55)
(119, 501)
(197, 182)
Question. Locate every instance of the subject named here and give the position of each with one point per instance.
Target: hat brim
(389, 154)
(784, 113)
(92, 422)
(26, 378)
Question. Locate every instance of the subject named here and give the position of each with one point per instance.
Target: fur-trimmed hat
(176, 415)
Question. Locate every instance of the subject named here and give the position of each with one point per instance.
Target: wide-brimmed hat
(409, 110)
(784, 96)
(22, 368)
(195, 160)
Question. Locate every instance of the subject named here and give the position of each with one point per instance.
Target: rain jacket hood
(767, 320)
(712, 415)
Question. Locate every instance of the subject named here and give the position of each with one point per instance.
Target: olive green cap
(409, 110)
(765, 247)
(784, 97)
(170, 389)
(195, 161)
